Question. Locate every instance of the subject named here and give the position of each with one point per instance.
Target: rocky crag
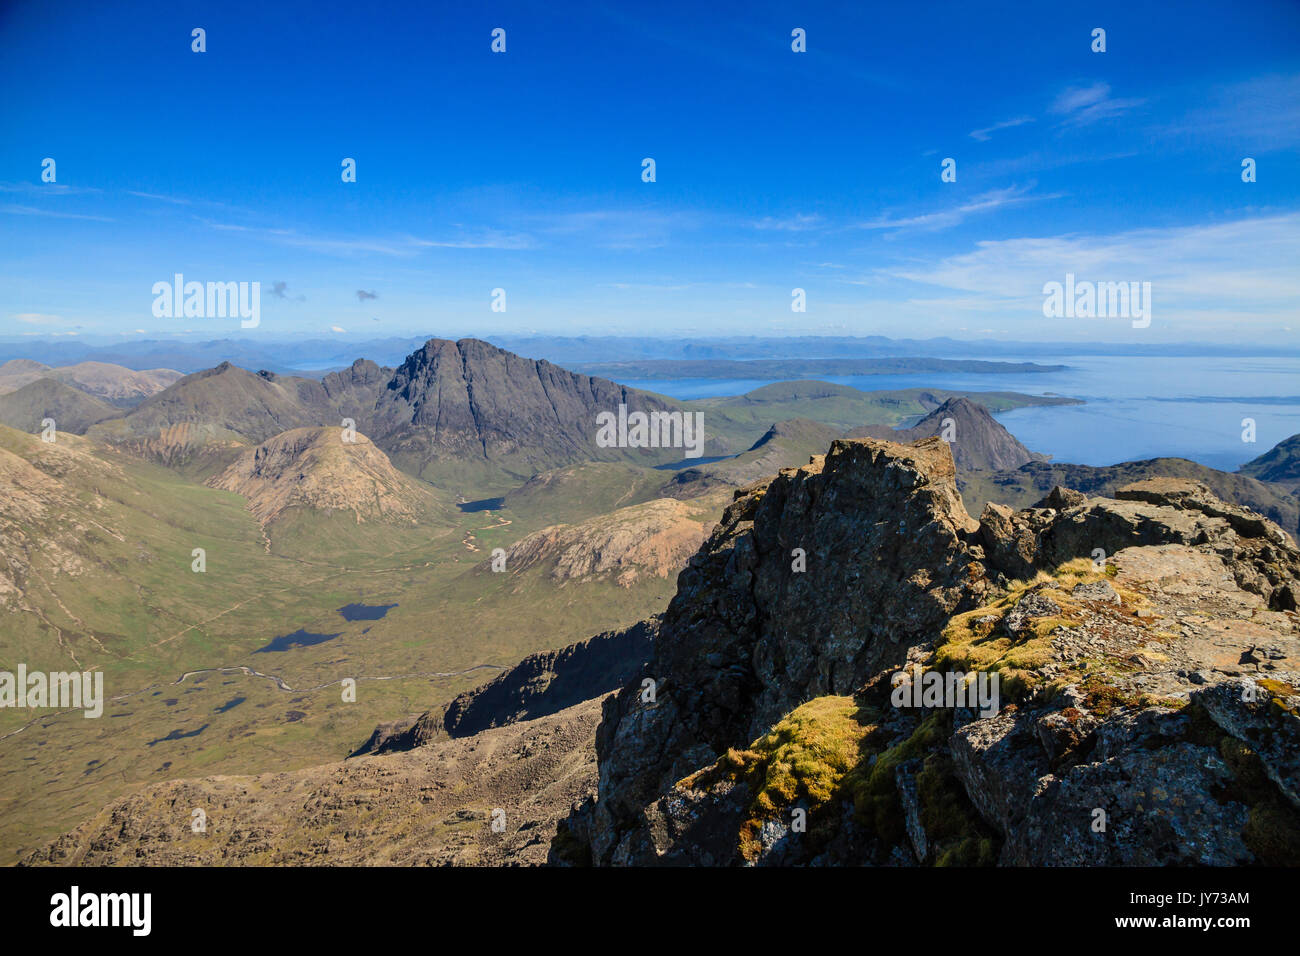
(977, 439)
(1147, 649)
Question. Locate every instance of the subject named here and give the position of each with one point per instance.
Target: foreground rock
(1147, 649)
(1147, 709)
(430, 806)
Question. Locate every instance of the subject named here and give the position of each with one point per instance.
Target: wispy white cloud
(1084, 105)
(16, 210)
(398, 246)
(46, 189)
(1245, 268)
(617, 228)
(944, 218)
(174, 200)
(796, 223)
(983, 135)
(1263, 112)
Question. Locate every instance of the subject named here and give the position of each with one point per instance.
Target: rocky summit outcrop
(1027, 484)
(978, 439)
(1146, 650)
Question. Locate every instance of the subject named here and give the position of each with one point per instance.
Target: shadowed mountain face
(453, 411)
(978, 440)
(472, 401)
(72, 410)
(1280, 464)
(539, 685)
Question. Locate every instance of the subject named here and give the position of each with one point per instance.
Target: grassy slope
(138, 612)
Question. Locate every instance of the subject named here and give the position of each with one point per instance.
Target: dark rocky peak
(979, 441)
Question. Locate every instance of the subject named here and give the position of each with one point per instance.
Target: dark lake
(483, 504)
(365, 612)
(179, 735)
(689, 463)
(299, 638)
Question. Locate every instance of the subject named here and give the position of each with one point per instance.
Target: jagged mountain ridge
(979, 441)
(538, 686)
(464, 411)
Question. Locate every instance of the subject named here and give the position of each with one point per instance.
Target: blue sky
(775, 169)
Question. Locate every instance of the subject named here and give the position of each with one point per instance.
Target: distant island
(785, 369)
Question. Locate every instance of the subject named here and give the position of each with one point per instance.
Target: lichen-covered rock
(1263, 713)
(1000, 762)
(1144, 807)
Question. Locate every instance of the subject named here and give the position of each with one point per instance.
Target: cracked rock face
(1150, 655)
(882, 529)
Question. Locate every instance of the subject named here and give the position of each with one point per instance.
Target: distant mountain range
(467, 415)
(288, 356)
(115, 384)
(464, 412)
(785, 369)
